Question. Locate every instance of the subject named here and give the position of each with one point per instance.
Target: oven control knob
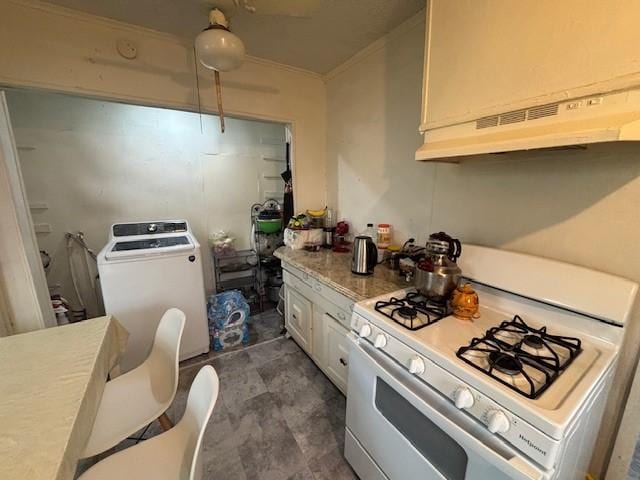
(463, 398)
(380, 341)
(497, 422)
(416, 366)
(365, 330)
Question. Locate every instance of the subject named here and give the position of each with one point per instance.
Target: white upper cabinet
(486, 57)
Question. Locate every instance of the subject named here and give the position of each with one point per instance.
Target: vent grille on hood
(601, 118)
(487, 122)
(517, 116)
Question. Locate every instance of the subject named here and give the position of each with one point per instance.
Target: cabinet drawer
(341, 306)
(302, 275)
(297, 284)
(342, 302)
(338, 314)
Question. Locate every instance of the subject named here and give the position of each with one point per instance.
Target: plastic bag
(229, 317)
(222, 243)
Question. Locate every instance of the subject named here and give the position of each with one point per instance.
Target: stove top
(413, 311)
(525, 359)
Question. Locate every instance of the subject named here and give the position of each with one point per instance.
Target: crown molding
(136, 29)
(97, 20)
(283, 66)
(406, 26)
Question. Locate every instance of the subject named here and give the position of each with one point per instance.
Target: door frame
(22, 277)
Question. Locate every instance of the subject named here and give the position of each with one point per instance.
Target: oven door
(410, 431)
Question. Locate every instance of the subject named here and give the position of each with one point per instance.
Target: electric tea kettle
(365, 255)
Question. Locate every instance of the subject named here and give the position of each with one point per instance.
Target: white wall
(53, 48)
(95, 163)
(577, 207)
(373, 134)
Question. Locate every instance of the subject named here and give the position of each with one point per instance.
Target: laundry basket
(228, 314)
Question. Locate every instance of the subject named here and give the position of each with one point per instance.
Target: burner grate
(538, 340)
(413, 312)
(523, 358)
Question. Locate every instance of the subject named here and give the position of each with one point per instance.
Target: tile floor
(277, 418)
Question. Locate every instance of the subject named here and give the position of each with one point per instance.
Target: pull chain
(219, 97)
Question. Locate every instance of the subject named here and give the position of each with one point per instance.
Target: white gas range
(517, 393)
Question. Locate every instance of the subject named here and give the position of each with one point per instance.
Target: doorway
(88, 164)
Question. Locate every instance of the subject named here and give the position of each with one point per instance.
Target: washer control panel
(148, 228)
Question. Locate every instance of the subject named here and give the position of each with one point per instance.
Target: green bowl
(269, 226)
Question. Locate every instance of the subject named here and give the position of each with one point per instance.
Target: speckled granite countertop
(334, 269)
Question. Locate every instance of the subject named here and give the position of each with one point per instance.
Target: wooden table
(51, 383)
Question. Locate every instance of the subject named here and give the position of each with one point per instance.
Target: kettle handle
(455, 250)
(372, 255)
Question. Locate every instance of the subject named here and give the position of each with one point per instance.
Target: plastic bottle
(370, 232)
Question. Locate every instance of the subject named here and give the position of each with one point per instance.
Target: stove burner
(534, 341)
(531, 357)
(413, 312)
(408, 312)
(505, 363)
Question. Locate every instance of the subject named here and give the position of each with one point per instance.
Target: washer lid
(149, 246)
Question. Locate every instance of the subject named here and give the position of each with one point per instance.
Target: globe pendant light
(219, 50)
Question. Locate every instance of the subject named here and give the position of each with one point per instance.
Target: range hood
(603, 118)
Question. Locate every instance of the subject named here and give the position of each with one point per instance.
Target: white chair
(172, 455)
(142, 395)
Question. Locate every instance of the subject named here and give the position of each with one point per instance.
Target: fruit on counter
(317, 213)
(299, 222)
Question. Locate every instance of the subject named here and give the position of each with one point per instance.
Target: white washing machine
(145, 269)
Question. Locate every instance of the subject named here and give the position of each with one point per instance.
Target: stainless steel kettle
(365, 255)
(438, 274)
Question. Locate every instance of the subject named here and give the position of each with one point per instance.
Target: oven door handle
(458, 425)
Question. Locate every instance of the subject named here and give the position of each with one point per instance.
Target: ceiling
(323, 36)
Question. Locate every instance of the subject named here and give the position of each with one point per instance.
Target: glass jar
(384, 235)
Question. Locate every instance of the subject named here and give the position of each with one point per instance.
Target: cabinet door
(319, 336)
(510, 55)
(337, 365)
(299, 318)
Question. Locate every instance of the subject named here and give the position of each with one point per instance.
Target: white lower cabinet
(337, 360)
(319, 349)
(299, 319)
(317, 318)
